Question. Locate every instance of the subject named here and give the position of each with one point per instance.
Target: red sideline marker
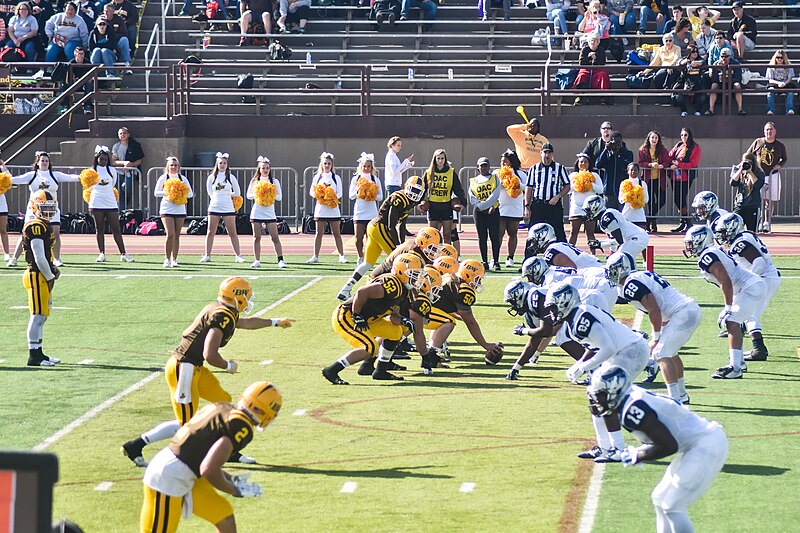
(650, 256)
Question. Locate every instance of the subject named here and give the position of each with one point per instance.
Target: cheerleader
(4, 212)
(103, 205)
(580, 189)
(367, 198)
(326, 189)
(635, 214)
(42, 177)
(512, 202)
(222, 187)
(173, 209)
(263, 212)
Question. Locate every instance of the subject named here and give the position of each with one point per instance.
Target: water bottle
(450, 74)
(308, 58)
(411, 73)
(338, 83)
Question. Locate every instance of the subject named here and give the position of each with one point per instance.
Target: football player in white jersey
(741, 291)
(542, 239)
(750, 253)
(707, 209)
(674, 317)
(610, 343)
(537, 271)
(664, 428)
(623, 233)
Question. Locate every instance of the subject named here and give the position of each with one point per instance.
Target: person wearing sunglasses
(102, 44)
(780, 75)
(666, 57)
(715, 50)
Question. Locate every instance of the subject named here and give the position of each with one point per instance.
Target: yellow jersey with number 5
(190, 349)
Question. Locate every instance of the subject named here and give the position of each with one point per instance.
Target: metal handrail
(44, 114)
(165, 5)
(148, 60)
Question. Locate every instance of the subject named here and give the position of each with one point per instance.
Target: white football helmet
(539, 236)
(704, 203)
(534, 269)
(593, 206)
(697, 239)
(608, 390)
(728, 228)
(514, 294)
(563, 298)
(618, 266)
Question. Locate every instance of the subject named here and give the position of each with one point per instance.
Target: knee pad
(389, 344)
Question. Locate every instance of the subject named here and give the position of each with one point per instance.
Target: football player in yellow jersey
(419, 309)
(457, 297)
(371, 314)
(188, 378)
(185, 476)
(38, 240)
(382, 231)
(426, 245)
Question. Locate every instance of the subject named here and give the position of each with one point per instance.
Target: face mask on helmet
(534, 269)
(471, 272)
(728, 228)
(697, 239)
(539, 237)
(593, 205)
(43, 205)
(514, 295)
(433, 280)
(608, 390)
(619, 266)
(262, 402)
(561, 299)
(407, 267)
(429, 240)
(704, 203)
(414, 188)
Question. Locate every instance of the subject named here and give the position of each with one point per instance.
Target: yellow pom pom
(583, 181)
(265, 193)
(326, 195)
(238, 202)
(5, 182)
(116, 194)
(87, 193)
(89, 177)
(367, 189)
(510, 181)
(176, 191)
(632, 194)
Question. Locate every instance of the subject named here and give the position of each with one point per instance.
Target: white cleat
(12, 262)
(343, 259)
(174, 264)
(255, 264)
(100, 258)
(126, 258)
(205, 259)
(57, 262)
(281, 264)
(167, 263)
(238, 259)
(313, 259)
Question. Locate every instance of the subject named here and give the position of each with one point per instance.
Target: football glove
(576, 372)
(724, 315)
(520, 330)
(629, 456)
(284, 322)
(246, 489)
(594, 245)
(360, 322)
(407, 323)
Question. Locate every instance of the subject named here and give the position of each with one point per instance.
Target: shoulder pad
(707, 258)
(634, 290)
(391, 285)
(399, 199)
(466, 294)
(582, 324)
(635, 414)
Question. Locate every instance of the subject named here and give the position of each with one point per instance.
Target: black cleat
(395, 366)
(333, 376)
(758, 353)
(41, 360)
(594, 453)
(133, 451)
(367, 367)
(401, 355)
(382, 372)
(727, 372)
(513, 375)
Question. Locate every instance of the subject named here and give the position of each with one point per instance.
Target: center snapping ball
(494, 355)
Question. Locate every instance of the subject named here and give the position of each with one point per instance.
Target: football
(493, 356)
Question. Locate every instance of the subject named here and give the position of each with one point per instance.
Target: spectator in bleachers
(557, 14)
(685, 156)
(699, 15)
(80, 66)
(780, 75)
(102, 43)
(116, 24)
(485, 7)
(595, 22)
(621, 14)
(742, 31)
(677, 16)
(592, 55)
(596, 146)
(254, 11)
(705, 40)
(66, 31)
(294, 15)
(428, 8)
(580, 189)
(86, 11)
(42, 10)
(654, 159)
(22, 30)
(613, 162)
(732, 74)
(667, 57)
(528, 142)
(692, 79)
(682, 35)
(715, 51)
(512, 205)
(366, 193)
(657, 10)
(128, 11)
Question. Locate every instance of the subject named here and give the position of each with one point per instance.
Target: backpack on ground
(129, 220)
(283, 227)
(198, 226)
(243, 225)
(347, 226)
(151, 226)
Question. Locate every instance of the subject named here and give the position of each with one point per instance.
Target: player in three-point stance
(184, 477)
(674, 317)
(742, 293)
(624, 235)
(188, 378)
(707, 209)
(665, 428)
(38, 240)
(542, 240)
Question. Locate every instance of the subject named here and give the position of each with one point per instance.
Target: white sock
(736, 357)
(35, 328)
(516, 367)
(384, 354)
(344, 362)
(617, 439)
(600, 431)
(674, 390)
(163, 431)
(682, 385)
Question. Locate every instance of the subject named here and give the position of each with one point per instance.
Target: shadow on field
(758, 411)
(502, 384)
(386, 473)
(754, 470)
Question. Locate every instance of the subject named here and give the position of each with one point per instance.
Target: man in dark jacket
(718, 78)
(130, 14)
(613, 162)
(596, 146)
(657, 10)
(127, 156)
(742, 31)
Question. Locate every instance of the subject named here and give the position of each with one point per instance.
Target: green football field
(463, 450)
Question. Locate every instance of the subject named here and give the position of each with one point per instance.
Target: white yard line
(592, 502)
(266, 362)
(300, 412)
(86, 362)
(94, 411)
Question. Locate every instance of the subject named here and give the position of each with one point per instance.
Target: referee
(547, 185)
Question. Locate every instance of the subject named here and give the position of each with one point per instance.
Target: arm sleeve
(50, 27)
(473, 200)
(23, 179)
(603, 340)
(251, 190)
(646, 192)
(379, 198)
(83, 31)
(158, 192)
(339, 185)
(39, 255)
(354, 187)
(209, 185)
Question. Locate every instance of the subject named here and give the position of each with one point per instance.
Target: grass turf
(409, 445)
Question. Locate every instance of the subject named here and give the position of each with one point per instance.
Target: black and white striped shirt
(547, 181)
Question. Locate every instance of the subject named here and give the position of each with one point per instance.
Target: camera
(746, 165)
